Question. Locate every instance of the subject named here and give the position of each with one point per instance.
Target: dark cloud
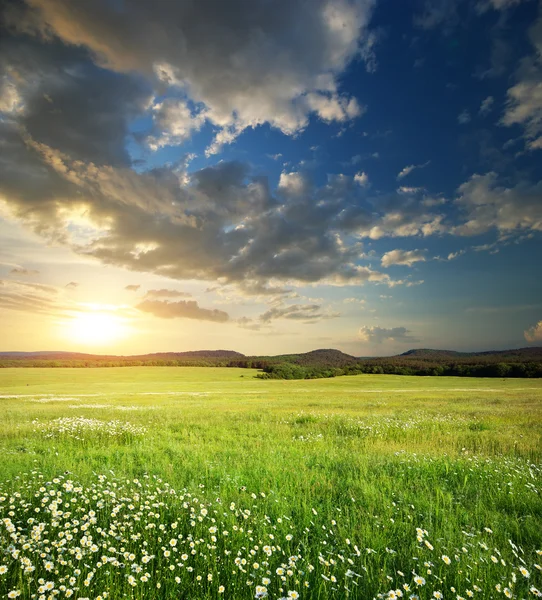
(184, 309)
(72, 285)
(65, 101)
(246, 62)
(378, 335)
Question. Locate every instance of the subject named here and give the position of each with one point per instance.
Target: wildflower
(446, 559)
(437, 595)
(524, 572)
(293, 594)
(507, 592)
(221, 589)
(418, 580)
(261, 591)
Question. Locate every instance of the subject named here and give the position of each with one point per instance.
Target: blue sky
(271, 176)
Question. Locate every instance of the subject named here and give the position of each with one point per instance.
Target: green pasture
(371, 483)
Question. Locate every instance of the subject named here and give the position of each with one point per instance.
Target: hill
(324, 362)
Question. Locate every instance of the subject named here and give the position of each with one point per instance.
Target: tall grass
(368, 485)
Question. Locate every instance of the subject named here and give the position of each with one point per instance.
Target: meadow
(200, 483)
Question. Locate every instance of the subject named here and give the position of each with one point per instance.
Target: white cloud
(362, 179)
(333, 107)
(534, 333)
(175, 122)
(488, 205)
(402, 257)
(408, 169)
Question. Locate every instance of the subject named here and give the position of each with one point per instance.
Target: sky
(270, 176)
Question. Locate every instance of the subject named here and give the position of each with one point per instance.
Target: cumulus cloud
(132, 287)
(184, 309)
(164, 293)
(362, 179)
(402, 257)
(408, 169)
(488, 205)
(245, 63)
(377, 335)
(534, 333)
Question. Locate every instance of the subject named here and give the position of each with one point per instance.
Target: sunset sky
(270, 176)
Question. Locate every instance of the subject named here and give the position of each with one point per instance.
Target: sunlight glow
(96, 328)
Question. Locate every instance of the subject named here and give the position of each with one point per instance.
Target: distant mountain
(427, 352)
(414, 361)
(504, 355)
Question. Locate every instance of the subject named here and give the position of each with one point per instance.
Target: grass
(361, 472)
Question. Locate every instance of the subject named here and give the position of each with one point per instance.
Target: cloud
(524, 98)
(534, 333)
(446, 14)
(486, 106)
(164, 293)
(31, 297)
(362, 179)
(377, 335)
(437, 13)
(23, 271)
(72, 285)
(247, 323)
(246, 64)
(221, 223)
(310, 313)
(402, 257)
(132, 287)
(409, 190)
(359, 301)
(174, 122)
(184, 309)
(484, 5)
(406, 170)
(464, 117)
(487, 205)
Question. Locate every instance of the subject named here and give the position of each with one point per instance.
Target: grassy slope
(447, 446)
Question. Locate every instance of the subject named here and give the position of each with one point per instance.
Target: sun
(96, 328)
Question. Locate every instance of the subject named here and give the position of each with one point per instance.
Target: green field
(200, 483)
